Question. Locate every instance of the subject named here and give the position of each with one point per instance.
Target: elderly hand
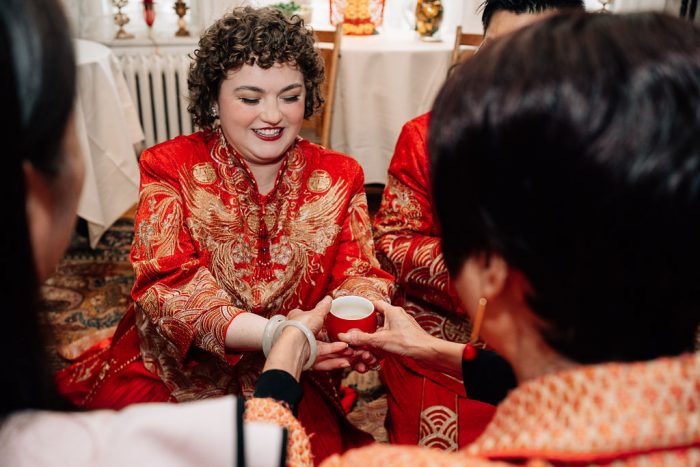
(400, 334)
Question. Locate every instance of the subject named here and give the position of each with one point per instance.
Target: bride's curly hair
(252, 36)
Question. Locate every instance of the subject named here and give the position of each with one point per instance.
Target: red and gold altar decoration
(359, 17)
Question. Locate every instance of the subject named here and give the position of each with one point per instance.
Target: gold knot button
(204, 173)
(319, 181)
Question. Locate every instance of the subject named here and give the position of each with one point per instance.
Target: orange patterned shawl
(625, 414)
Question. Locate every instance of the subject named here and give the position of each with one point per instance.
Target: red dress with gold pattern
(207, 247)
(426, 407)
(630, 414)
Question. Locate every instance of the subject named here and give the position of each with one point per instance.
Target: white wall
(94, 19)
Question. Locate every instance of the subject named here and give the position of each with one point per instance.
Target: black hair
(490, 7)
(37, 90)
(572, 150)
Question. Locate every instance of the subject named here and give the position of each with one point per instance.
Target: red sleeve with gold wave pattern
(356, 270)
(406, 228)
(176, 292)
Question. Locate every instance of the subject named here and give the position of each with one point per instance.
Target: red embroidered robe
(201, 257)
(622, 414)
(425, 407)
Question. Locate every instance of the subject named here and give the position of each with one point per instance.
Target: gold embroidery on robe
(319, 181)
(222, 232)
(195, 253)
(157, 232)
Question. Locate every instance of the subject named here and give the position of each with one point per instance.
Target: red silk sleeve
(406, 227)
(177, 293)
(356, 270)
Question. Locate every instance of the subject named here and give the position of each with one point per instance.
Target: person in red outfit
(237, 223)
(429, 407)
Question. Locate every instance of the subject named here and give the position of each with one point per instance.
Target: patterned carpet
(91, 289)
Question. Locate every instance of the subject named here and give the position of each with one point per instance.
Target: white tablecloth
(384, 80)
(108, 126)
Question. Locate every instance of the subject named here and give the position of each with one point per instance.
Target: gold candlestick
(120, 19)
(181, 10)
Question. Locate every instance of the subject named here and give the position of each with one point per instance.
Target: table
(108, 127)
(384, 80)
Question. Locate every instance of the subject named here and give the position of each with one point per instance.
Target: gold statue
(181, 10)
(120, 19)
(428, 17)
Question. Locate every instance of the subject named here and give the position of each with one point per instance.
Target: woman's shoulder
(419, 124)
(179, 149)
(320, 157)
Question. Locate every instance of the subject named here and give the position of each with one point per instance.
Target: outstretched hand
(400, 334)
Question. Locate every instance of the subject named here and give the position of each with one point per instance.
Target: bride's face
(261, 110)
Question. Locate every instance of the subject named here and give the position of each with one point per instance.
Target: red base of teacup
(350, 312)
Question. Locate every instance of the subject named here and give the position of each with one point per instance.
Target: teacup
(350, 312)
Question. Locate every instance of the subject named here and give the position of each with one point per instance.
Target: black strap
(240, 441)
(240, 436)
(283, 454)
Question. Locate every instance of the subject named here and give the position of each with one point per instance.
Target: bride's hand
(333, 356)
(314, 318)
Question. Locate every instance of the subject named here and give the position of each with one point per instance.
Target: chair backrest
(473, 40)
(328, 44)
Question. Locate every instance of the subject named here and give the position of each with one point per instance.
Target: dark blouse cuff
(488, 377)
(281, 386)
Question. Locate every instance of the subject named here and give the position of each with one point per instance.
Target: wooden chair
(473, 40)
(328, 44)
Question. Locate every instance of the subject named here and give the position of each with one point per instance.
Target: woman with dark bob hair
(237, 225)
(566, 165)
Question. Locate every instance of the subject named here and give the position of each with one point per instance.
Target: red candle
(149, 13)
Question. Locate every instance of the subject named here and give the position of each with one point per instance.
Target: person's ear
(494, 275)
(483, 275)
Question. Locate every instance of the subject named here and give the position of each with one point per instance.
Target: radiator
(158, 86)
